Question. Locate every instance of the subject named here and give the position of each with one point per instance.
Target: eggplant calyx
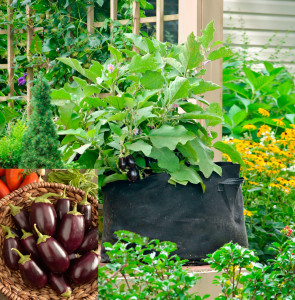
(8, 232)
(67, 293)
(41, 237)
(64, 194)
(74, 212)
(14, 210)
(23, 258)
(44, 197)
(26, 234)
(84, 201)
(95, 251)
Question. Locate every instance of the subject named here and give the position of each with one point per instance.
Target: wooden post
(160, 20)
(136, 17)
(194, 15)
(114, 10)
(90, 19)
(10, 53)
(29, 70)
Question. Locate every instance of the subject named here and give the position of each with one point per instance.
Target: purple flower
(22, 79)
(209, 134)
(175, 105)
(135, 131)
(206, 61)
(111, 68)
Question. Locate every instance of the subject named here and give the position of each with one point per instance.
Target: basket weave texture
(11, 283)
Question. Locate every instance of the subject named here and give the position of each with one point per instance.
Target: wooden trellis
(193, 16)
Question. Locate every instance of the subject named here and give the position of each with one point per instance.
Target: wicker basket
(11, 283)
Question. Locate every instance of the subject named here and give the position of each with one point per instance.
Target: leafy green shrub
(11, 144)
(248, 93)
(139, 115)
(257, 282)
(147, 268)
(40, 141)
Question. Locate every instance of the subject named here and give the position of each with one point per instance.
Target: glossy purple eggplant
(74, 256)
(30, 271)
(58, 283)
(53, 255)
(11, 258)
(71, 230)
(85, 269)
(20, 217)
(29, 244)
(84, 207)
(43, 214)
(90, 241)
(62, 207)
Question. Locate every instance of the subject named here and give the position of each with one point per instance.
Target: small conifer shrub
(40, 141)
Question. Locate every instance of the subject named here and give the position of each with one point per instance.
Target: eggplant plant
(136, 107)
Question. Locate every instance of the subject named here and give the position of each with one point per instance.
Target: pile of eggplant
(57, 244)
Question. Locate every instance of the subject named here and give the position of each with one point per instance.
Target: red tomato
(3, 189)
(31, 178)
(2, 172)
(14, 178)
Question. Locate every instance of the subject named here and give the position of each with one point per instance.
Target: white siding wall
(267, 26)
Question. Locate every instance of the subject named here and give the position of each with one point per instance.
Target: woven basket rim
(3, 288)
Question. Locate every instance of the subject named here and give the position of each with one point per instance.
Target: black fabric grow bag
(199, 223)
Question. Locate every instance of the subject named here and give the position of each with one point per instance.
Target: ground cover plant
(269, 189)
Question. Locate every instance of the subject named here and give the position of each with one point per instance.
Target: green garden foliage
(11, 144)
(40, 141)
(249, 88)
(140, 114)
(149, 268)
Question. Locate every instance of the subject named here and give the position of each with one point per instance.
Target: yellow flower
(279, 122)
(263, 112)
(292, 125)
(254, 183)
(248, 213)
(249, 127)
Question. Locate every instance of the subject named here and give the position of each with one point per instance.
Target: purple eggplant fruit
(13, 230)
(11, 241)
(71, 230)
(133, 174)
(130, 161)
(85, 269)
(62, 207)
(43, 214)
(20, 217)
(53, 255)
(29, 244)
(84, 207)
(74, 256)
(122, 163)
(58, 283)
(90, 241)
(31, 273)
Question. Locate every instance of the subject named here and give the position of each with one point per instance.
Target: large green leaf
(115, 53)
(119, 102)
(185, 175)
(152, 80)
(9, 113)
(114, 177)
(166, 159)
(238, 89)
(189, 151)
(219, 53)
(138, 41)
(178, 89)
(175, 64)
(206, 164)
(201, 115)
(140, 146)
(65, 113)
(60, 94)
(191, 55)
(239, 116)
(207, 35)
(230, 151)
(204, 86)
(140, 64)
(143, 114)
(168, 136)
(77, 132)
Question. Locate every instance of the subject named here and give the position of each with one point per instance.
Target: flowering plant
(138, 124)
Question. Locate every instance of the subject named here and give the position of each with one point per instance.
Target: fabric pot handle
(230, 181)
